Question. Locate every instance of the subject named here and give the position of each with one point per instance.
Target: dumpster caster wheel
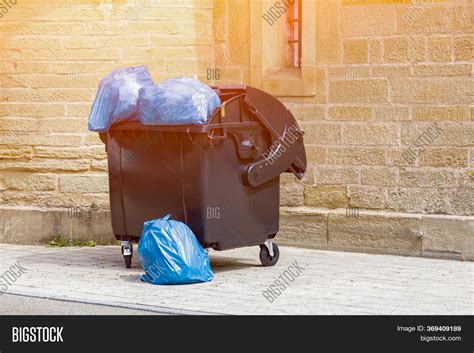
(265, 255)
(128, 261)
(127, 252)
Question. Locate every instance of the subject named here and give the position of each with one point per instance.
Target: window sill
(290, 82)
(286, 74)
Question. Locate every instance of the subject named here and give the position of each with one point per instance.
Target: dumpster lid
(287, 153)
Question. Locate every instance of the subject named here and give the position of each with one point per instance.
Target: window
(283, 46)
(294, 31)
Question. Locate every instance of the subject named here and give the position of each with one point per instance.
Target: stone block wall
(389, 131)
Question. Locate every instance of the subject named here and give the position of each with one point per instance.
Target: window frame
(284, 82)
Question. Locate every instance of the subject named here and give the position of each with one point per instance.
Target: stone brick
(452, 134)
(322, 133)
(397, 157)
(63, 125)
(13, 152)
(73, 80)
(416, 200)
(84, 67)
(441, 113)
(370, 20)
(19, 124)
(332, 175)
(337, 71)
(444, 157)
(464, 48)
(99, 165)
(391, 71)
(440, 49)
(47, 95)
(44, 139)
(101, 200)
(87, 183)
(93, 224)
(93, 140)
(460, 16)
(303, 227)
(460, 200)
(444, 234)
(32, 227)
(396, 50)
(348, 72)
(432, 178)
(422, 19)
(53, 199)
(289, 178)
(292, 195)
(356, 156)
(443, 70)
(379, 176)
(366, 135)
(358, 91)
(367, 197)
(375, 51)
(306, 112)
(34, 182)
(392, 114)
(46, 165)
(316, 155)
(36, 226)
(351, 113)
(437, 91)
(327, 33)
(14, 81)
(375, 233)
(37, 110)
(96, 152)
(356, 51)
(353, 72)
(78, 110)
(418, 49)
(326, 196)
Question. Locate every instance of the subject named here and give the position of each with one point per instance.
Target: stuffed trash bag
(179, 101)
(116, 99)
(171, 254)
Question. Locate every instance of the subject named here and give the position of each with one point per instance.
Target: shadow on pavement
(110, 257)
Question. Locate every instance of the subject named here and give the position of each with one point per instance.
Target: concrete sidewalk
(330, 283)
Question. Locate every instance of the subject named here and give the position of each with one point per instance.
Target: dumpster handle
(219, 137)
(212, 139)
(282, 157)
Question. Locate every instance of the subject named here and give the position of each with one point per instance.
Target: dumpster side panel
(150, 183)
(114, 155)
(236, 215)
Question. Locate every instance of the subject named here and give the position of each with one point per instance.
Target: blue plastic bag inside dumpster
(117, 96)
(179, 101)
(171, 254)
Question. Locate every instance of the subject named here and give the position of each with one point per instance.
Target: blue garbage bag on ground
(117, 96)
(171, 254)
(179, 101)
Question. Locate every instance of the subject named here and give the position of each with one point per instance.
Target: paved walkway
(327, 283)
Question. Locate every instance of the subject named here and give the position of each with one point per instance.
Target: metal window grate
(296, 24)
